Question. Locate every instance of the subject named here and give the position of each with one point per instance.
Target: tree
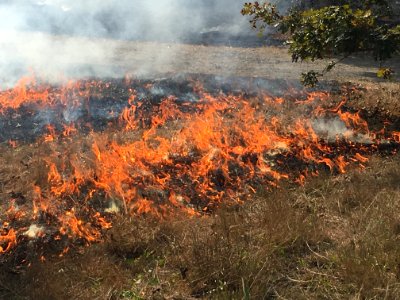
(333, 31)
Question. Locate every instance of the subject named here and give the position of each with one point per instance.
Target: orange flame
(182, 161)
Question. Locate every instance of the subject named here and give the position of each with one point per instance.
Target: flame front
(179, 156)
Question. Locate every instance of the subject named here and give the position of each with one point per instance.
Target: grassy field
(335, 237)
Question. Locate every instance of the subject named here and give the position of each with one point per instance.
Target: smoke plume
(56, 38)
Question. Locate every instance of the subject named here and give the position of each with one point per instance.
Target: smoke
(333, 129)
(57, 38)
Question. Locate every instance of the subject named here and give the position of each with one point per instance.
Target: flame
(354, 121)
(8, 239)
(51, 135)
(13, 144)
(74, 227)
(396, 136)
(181, 156)
(69, 130)
(22, 94)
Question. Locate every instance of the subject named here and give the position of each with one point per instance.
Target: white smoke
(57, 38)
(333, 129)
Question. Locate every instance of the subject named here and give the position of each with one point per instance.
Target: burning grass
(333, 238)
(222, 195)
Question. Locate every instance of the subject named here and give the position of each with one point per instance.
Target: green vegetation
(332, 31)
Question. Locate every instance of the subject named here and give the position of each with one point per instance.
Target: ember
(103, 149)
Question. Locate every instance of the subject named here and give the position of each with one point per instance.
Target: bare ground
(62, 54)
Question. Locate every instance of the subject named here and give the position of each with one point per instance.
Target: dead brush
(371, 260)
(250, 248)
(377, 99)
(92, 274)
(359, 212)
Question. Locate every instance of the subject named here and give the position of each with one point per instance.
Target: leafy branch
(329, 31)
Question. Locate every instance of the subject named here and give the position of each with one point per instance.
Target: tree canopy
(333, 31)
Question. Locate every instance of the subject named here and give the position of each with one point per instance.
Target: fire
(12, 143)
(177, 155)
(51, 133)
(8, 239)
(22, 94)
(74, 227)
(69, 130)
(29, 93)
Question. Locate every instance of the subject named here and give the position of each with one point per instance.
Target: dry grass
(377, 98)
(337, 237)
(334, 238)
